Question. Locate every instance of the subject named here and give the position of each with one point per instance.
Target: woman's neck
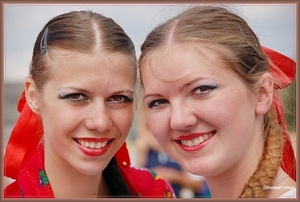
(230, 183)
(68, 186)
(226, 185)
(67, 182)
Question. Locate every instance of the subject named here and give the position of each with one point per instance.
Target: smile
(92, 144)
(197, 141)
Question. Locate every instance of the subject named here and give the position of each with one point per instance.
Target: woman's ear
(265, 94)
(31, 95)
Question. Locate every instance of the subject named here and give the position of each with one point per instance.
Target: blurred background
(274, 24)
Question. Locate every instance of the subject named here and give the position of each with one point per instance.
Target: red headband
(25, 135)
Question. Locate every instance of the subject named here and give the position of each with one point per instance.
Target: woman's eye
(157, 103)
(77, 97)
(120, 99)
(204, 89)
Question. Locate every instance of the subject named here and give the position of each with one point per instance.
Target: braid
(114, 180)
(270, 162)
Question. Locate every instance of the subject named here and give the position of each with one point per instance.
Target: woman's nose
(182, 116)
(98, 118)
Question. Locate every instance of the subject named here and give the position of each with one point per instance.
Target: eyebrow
(124, 91)
(150, 95)
(181, 88)
(193, 81)
(73, 88)
(127, 90)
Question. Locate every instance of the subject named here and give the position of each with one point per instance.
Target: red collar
(32, 178)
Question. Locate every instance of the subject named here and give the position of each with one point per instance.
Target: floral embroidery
(154, 175)
(168, 193)
(43, 179)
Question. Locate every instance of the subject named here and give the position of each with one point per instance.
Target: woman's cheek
(157, 123)
(125, 123)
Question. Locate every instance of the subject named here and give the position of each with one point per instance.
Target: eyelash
(155, 103)
(71, 97)
(125, 99)
(203, 90)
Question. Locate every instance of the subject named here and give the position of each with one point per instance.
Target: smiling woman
(213, 103)
(76, 113)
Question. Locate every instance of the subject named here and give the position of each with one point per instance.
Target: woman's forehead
(63, 62)
(180, 59)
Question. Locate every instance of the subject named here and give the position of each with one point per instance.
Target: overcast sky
(274, 24)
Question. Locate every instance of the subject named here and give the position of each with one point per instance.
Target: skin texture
(190, 94)
(88, 97)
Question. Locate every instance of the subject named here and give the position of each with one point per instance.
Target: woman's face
(200, 111)
(87, 108)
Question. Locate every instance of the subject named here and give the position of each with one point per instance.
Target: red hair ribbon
(283, 69)
(25, 138)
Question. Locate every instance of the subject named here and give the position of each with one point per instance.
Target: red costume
(32, 181)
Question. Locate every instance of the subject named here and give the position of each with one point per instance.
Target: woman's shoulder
(146, 183)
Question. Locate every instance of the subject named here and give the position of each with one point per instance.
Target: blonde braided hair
(269, 164)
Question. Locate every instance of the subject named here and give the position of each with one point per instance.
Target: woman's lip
(94, 152)
(91, 139)
(194, 141)
(193, 136)
(94, 146)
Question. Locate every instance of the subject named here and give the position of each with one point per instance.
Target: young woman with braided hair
(76, 113)
(213, 104)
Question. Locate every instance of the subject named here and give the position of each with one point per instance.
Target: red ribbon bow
(283, 69)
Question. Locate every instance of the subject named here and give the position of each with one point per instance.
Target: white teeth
(92, 145)
(201, 139)
(86, 144)
(196, 141)
(98, 145)
(104, 144)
